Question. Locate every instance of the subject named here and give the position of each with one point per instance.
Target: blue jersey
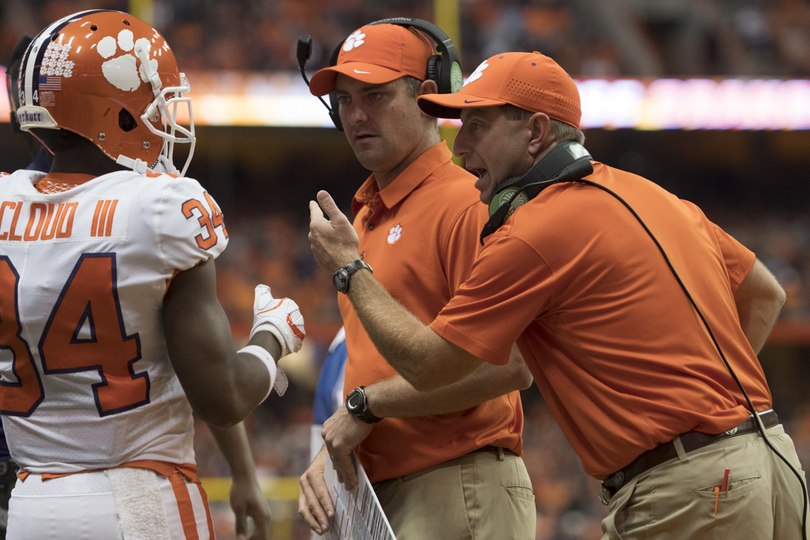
(329, 392)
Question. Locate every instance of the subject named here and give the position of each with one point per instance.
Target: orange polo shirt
(617, 350)
(420, 235)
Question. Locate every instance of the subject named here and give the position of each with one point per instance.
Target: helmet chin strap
(162, 165)
(151, 74)
(137, 165)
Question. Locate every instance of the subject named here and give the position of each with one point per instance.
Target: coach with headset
(639, 318)
(444, 464)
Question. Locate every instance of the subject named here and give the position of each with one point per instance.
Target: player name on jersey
(68, 221)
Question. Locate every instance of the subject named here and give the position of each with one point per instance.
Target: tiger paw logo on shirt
(394, 234)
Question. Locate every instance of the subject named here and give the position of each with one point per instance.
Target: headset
(443, 68)
(566, 162)
(570, 162)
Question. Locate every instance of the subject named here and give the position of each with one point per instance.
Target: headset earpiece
(444, 68)
(433, 72)
(569, 161)
(514, 196)
(448, 74)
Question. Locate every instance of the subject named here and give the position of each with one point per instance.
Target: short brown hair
(412, 85)
(559, 130)
(564, 132)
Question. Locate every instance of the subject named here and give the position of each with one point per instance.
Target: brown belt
(691, 441)
(495, 449)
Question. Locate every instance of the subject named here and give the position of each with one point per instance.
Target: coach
(639, 318)
(417, 216)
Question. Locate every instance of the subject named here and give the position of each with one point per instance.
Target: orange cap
(377, 54)
(530, 81)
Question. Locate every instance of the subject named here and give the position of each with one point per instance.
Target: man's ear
(540, 138)
(428, 87)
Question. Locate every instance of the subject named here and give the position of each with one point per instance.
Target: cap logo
(122, 71)
(477, 73)
(353, 41)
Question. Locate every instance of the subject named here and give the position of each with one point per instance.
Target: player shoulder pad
(190, 226)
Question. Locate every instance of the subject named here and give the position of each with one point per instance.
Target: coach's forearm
(759, 299)
(421, 356)
(397, 398)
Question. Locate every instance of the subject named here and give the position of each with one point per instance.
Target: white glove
(281, 317)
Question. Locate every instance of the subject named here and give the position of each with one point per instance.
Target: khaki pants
(676, 500)
(480, 496)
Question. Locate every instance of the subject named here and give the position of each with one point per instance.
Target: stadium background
(750, 178)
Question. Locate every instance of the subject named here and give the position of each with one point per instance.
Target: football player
(110, 329)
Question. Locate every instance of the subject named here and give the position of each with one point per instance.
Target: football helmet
(12, 72)
(113, 79)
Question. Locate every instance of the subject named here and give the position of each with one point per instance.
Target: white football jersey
(85, 378)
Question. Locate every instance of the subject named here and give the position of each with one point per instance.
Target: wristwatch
(342, 277)
(357, 405)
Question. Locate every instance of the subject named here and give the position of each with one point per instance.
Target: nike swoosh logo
(363, 72)
(473, 101)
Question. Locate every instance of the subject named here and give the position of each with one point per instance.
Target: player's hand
(342, 433)
(281, 317)
(247, 499)
(314, 503)
(333, 241)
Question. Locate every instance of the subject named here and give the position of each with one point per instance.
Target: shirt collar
(408, 180)
(68, 178)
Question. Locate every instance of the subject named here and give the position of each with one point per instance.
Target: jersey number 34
(84, 332)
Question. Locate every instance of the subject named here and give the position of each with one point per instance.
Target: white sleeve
(188, 224)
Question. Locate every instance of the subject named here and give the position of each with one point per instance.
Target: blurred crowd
(782, 242)
(590, 38)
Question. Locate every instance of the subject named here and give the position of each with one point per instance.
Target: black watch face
(353, 400)
(339, 279)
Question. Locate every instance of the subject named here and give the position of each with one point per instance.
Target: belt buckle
(732, 431)
(616, 481)
(604, 495)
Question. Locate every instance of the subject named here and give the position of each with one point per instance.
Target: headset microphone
(303, 53)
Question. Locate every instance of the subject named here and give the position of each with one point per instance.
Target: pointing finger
(328, 204)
